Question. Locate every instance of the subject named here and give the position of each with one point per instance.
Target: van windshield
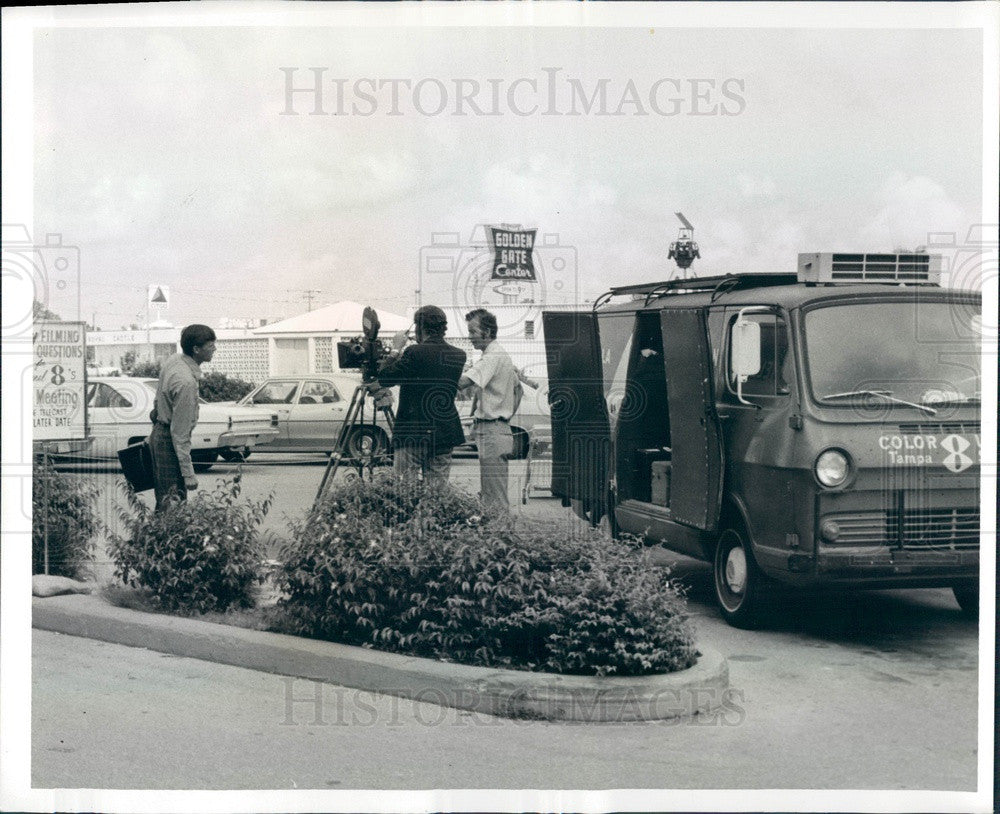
(926, 353)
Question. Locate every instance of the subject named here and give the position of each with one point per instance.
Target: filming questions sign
(60, 406)
(512, 254)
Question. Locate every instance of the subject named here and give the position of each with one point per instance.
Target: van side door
(696, 445)
(581, 433)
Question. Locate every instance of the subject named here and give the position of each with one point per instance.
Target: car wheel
(520, 445)
(967, 597)
(233, 455)
(739, 583)
(203, 459)
(367, 442)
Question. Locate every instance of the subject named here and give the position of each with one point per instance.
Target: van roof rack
(720, 283)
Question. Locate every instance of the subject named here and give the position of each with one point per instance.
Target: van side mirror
(744, 352)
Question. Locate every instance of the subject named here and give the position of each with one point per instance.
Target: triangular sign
(158, 296)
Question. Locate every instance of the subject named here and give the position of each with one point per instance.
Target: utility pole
(308, 295)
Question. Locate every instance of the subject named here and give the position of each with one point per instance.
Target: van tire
(967, 597)
(738, 580)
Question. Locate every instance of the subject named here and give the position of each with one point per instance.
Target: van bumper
(880, 568)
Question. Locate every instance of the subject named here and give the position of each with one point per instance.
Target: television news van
(818, 429)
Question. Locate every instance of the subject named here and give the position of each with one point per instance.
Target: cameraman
(427, 425)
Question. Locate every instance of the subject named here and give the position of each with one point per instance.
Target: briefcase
(137, 464)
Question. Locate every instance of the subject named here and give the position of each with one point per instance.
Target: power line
(307, 295)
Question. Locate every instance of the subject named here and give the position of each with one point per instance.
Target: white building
(302, 344)
(307, 343)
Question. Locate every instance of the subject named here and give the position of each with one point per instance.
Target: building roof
(341, 317)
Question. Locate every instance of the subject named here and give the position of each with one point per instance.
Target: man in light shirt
(498, 394)
(176, 413)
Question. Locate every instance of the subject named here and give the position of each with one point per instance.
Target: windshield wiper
(951, 402)
(885, 394)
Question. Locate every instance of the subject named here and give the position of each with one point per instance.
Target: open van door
(581, 434)
(696, 453)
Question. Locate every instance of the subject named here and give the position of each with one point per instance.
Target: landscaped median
(393, 586)
(513, 693)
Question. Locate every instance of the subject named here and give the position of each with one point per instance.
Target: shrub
(393, 565)
(201, 554)
(70, 507)
(216, 386)
(143, 370)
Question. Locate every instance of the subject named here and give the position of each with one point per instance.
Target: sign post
(157, 296)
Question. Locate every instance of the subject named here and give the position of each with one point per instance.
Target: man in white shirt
(498, 394)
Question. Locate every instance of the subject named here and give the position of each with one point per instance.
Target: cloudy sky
(168, 156)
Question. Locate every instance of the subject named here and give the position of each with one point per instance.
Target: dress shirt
(497, 384)
(177, 404)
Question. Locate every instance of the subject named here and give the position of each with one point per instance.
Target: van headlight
(832, 468)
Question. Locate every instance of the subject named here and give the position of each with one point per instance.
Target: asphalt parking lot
(884, 684)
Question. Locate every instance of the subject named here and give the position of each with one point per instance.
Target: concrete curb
(511, 693)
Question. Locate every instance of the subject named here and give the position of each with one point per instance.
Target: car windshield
(922, 353)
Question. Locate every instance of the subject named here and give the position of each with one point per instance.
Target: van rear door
(579, 413)
(696, 447)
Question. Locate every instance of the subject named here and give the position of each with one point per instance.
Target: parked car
(118, 410)
(312, 409)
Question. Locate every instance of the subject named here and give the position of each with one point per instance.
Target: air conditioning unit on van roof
(832, 267)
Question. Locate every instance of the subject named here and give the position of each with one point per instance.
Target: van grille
(862, 528)
(946, 529)
(935, 528)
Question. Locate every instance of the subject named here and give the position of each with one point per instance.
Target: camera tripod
(354, 423)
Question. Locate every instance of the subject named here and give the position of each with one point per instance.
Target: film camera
(366, 351)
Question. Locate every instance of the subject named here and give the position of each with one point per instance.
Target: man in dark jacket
(427, 424)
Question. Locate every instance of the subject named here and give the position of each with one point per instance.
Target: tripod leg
(337, 455)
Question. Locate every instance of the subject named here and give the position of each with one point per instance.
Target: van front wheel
(738, 581)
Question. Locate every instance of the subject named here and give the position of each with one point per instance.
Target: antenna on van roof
(684, 250)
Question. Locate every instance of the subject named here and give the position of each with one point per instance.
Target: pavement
(701, 689)
(868, 691)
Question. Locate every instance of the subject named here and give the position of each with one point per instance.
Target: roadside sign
(512, 254)
(60, 403)
(158, 296)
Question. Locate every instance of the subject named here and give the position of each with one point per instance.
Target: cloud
(752, 187)
(912, 208)
(172, 81)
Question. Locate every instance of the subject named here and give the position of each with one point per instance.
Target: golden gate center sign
(59, 386)
(512, 250)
